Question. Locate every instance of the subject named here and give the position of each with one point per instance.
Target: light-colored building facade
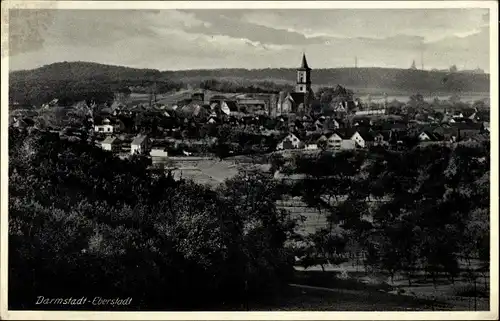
(110, 143)
(139, 145)
(290, 142)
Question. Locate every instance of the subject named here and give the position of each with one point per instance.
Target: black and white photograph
(239, 156)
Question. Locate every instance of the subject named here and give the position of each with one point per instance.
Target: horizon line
(241, 68)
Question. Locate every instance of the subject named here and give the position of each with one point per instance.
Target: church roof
(298, 98)
(304, 64)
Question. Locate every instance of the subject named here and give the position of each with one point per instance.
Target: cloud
(372, 23)
(31, 29)
(187, 39)
(229, 23)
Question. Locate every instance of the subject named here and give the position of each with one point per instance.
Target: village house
(139, 145)
(199, 97)
(370, 112)
(446, 133)
(107, 127)
(482, 116)
(315, 141)
(111, 144)
(382, 138)
(466, 130)
(291, 141)
(458, 114)
(341, 140)
(427, 136)
(159, 154)
(25, 122)
(251, 105)
(362, 140)
(326, 124)
(334, 141)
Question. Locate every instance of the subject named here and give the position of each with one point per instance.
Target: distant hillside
(74, 81)
(70, 81)
(83, 70)
(395, 80)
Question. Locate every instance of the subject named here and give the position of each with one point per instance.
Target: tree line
(110, 227)
(420, 211)
(244, 86)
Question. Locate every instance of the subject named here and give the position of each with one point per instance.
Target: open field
(303, 298)
(443, 296)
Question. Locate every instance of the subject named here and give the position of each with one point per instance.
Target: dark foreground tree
(83, 223)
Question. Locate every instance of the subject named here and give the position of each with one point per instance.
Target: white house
(338, 143)
(424, 136)
(106, 127)
(109, 143)
(139, 144)
(356, 137)
(334, 141)
(370, 112)
(158, 155)
(312, 143)
(158, 152)
(290, 142)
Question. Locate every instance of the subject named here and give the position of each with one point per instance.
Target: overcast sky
(204, 39)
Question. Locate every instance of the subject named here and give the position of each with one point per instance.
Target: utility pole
(422, 58)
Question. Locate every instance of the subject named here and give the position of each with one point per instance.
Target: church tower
(303, 77)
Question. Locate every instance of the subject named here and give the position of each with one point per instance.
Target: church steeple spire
(304, 64)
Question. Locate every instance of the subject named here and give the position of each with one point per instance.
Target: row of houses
(138, 145)
(156, 149)
(337, 140)
(352, 138)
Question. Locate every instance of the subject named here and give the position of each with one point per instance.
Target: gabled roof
(138, 139)
(232, 105)
(218, 97)
(483, 113)
(480, 137)
(366, 134)
(297, 98)
(109, 140)
(467, 126)
(386, 135)
(432, 136)
(313, 138)
(28, 121)
(345, 133)
(296, 134)
(467, 112)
